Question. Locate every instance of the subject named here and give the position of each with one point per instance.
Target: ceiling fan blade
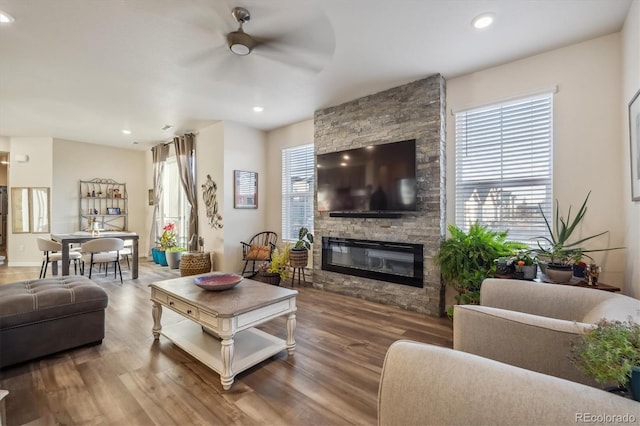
(205, 57)
(308, 45)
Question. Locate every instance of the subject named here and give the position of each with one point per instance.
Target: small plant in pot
(556, 253)
(299, 255)
(525, 265)
(277, 268)
(610, 354)
(173, 255)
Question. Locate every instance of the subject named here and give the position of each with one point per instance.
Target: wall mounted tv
(375, 178)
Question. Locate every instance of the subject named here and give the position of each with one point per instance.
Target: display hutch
(103, 201)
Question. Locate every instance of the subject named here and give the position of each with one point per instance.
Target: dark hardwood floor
(130, 379)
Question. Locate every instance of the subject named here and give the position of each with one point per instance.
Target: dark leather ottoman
(42, 317)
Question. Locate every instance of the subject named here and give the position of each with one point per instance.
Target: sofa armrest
(524, 340)
(547, 300)
(428, 385)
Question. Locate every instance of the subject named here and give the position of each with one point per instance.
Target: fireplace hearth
(400, 263)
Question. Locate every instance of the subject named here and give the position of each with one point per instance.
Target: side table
(195, 262)
(599, 286)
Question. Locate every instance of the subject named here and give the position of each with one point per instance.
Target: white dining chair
(52, 253)
(104, 251)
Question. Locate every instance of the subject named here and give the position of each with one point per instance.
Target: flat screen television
(375, 178)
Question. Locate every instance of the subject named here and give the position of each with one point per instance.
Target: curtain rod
(170, 140)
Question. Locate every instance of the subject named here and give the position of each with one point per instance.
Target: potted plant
(173, 255)
(299, 255)
(467, 258)
(167, 240)
(610, 353)
(525, 265)
(560, 254)
(277, 269)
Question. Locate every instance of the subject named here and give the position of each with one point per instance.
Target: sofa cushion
(41, 300)
(615, 309)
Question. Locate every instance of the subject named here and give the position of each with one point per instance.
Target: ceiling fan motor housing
(240, 42)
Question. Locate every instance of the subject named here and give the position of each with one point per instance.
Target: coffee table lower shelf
(251, 346)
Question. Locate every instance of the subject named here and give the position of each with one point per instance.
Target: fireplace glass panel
(399, 263)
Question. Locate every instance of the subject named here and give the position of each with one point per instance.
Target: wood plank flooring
(130, 379)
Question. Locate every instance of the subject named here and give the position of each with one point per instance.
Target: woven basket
(268, 278)
(194, 263)
(298, 258)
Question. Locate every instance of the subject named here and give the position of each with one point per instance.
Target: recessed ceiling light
(126, 132)
(343, 164)
(167, 127)
(346, 156)
(5, 18)
(258, 108)
(483, 21)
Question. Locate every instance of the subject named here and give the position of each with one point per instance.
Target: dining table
(80, 237)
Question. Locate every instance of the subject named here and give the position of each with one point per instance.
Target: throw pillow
(259, 252)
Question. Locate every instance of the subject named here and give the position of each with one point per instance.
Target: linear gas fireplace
(400, 263)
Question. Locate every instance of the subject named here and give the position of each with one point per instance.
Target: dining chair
(103, 251)
(52, 253)
(127, 252)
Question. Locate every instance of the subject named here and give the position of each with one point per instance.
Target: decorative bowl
(218, 281)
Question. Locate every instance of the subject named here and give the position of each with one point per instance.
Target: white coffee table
(219, 330)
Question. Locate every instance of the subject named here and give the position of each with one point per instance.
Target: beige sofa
(531, 325)
(428, 385)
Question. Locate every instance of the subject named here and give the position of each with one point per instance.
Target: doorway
(4, 204)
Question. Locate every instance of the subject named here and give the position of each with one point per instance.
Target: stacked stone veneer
(412, 111)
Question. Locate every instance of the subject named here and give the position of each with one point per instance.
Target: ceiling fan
(240, 42)
(300, 39)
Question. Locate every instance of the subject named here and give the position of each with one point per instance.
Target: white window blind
(504, 167)
(298, 171)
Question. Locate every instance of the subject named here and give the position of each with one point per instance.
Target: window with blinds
(504, 167)
(298, 170)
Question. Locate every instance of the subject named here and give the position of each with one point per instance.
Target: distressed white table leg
(156, 313)
(226, 353)
(291, 328)
(3, 409)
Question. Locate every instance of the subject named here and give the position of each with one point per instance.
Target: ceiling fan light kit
(240, 42)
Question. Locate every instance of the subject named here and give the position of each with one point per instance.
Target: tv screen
(368, 179)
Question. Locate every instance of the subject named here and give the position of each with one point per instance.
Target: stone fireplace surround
(412, 111)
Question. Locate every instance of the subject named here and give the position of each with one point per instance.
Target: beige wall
(210, 161)
(285, 137)
(38, 171)
(75, 161)
(244, 149)
(586, 155)
(630, 85)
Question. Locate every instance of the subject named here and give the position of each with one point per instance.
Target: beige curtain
(159, 153)
(186, 159)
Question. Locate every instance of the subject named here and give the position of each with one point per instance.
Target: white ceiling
(84, 70)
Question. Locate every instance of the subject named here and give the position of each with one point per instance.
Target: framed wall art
(245, 190)
(634, 141)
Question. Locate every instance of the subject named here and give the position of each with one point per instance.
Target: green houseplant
(610, 353)
(467, 258)
(299, 255)
(277, 269)
(559, 252)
